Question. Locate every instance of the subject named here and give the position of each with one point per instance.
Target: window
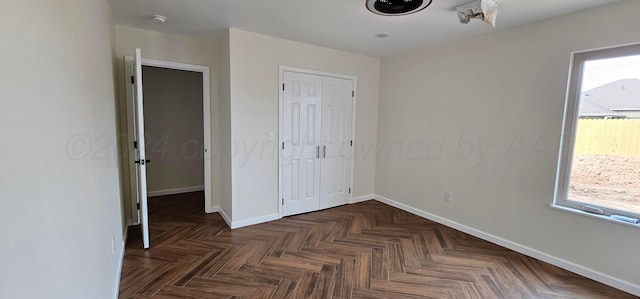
(599, 162)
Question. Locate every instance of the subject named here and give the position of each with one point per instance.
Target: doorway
(173, 123)
(181, 152)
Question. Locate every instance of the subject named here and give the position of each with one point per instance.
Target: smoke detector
(159, 19)
(396, 7)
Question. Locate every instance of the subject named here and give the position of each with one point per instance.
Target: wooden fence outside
(618, 137)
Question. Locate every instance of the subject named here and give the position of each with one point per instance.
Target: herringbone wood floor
(365, 250)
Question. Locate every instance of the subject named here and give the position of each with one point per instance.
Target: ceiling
(340, 24)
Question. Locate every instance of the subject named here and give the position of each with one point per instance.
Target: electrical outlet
(447, 196)
(269, 135)
(113, 245)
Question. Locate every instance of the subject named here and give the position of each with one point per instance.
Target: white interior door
(132, 140)
(140, 157)
(337, 107)
(301, 143)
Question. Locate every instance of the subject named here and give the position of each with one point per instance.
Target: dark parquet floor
(364, 250)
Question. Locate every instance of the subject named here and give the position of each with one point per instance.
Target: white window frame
(570, 121)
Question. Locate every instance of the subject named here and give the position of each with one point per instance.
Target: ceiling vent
(396, 7)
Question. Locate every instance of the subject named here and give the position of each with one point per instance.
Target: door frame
(134, 218)
(285, 68)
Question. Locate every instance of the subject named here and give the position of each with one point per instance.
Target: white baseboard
(275, 216)
(256, 220)
(175, 191)
(120, 263)
(213, 209)
(362, 198)
(226, 217)
(246, 222)
(567, 265)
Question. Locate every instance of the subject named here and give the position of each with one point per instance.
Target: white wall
(157, 45)
(482, 117)
(174, 128)
(59, 186)
(224, 122)
(254, 111)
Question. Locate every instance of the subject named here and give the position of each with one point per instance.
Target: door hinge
(135, 144)
(133, 80)
(349, 190)
(282, 86)
(283, 201)
(138, 206)
(283, 145)
(351, 142)
(353, 93)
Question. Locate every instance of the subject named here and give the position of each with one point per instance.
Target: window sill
(597, 216)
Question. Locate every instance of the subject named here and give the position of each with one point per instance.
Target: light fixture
(159, 19)
(486, 10)
(396, 7)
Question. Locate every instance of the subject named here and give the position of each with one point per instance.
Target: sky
(604, 71)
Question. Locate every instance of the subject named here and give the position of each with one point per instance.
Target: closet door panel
(301, 138)
(337, 108)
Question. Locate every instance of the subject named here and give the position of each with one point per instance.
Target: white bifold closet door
(316, 142)
(337, 105)
(301, 143)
